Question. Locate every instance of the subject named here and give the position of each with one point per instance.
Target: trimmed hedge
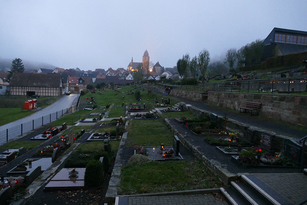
(93, 174)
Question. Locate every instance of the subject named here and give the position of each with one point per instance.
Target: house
(76, 84)
(27, 84)
(44, 70)
(58, 70)
(157, 68)
(284, 41)
(129, 76)
(167, 74)
(3, 83)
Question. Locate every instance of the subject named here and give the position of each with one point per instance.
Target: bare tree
(203, 61)
(193, 67)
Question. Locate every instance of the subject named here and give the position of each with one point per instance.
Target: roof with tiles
(52, 80)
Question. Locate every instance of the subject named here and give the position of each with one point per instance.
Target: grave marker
(266, 141)
(293, 151)
(176, 144)
(71, 137)
(117, 130)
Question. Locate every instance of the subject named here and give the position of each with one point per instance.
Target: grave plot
(162, 153)
(52, 131)
(67, 179)
(136, 107)
(164, 103)
(99, 136)
(10, 154)
(265, 156)
(30, 164)
(143, 115)
(227, 140)
(202, 126)
(107, 132)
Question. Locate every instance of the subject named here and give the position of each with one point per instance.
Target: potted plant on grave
(73, 174)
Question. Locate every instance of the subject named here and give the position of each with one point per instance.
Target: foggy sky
(102, 34)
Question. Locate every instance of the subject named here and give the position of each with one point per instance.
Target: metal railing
(281, 85)
(21, 129)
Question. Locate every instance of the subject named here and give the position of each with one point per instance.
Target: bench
(252, 107)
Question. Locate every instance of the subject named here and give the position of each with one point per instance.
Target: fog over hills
(6, 63)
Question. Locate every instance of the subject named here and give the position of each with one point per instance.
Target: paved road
(62, 104)
(65, 102)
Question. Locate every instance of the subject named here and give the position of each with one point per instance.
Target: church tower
(146, 63)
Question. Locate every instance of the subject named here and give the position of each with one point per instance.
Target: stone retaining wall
(283, 107)
(286, 108)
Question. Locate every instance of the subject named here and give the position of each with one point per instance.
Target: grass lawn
(19, 144)
(8, 115)
(70, 119)
(11, 107)
(117, 112)
(94, 146)
(154, 177)
(148, 133)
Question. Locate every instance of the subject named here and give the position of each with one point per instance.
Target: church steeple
(146, 63)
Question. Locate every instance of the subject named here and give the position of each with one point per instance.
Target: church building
(134, 66)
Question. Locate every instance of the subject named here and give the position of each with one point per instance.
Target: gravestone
(54, 155)
(107, 147)
(293, 151)
(266, 141)
(176, 144)
(117, 130)
(71, 137)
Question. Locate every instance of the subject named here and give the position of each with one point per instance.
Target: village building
(28, 84)
(144, 65)
(284, 41)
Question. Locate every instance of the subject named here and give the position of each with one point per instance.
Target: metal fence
(282, 85)
(19, 130)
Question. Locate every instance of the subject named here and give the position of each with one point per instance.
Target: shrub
(198, 130)
(106, 159)
(138, 159)
(212, 125)
(93, 174)
(137, 95)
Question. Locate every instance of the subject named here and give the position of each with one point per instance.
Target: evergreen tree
(17, 66)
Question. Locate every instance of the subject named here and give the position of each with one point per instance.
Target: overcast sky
(101, 34)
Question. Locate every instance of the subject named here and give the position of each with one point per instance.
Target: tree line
(198, 67)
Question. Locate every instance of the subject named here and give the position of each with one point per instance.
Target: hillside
(5, 63)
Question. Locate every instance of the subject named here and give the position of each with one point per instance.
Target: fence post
(32, 124)
(42, 120)
(21, 131)
(7, 135)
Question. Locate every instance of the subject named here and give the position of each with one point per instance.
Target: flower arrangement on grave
(73, 173)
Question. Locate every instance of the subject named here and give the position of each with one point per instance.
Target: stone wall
(286, 108)
(283, 107)
(187, 94)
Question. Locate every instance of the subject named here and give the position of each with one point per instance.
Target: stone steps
(250, 190)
